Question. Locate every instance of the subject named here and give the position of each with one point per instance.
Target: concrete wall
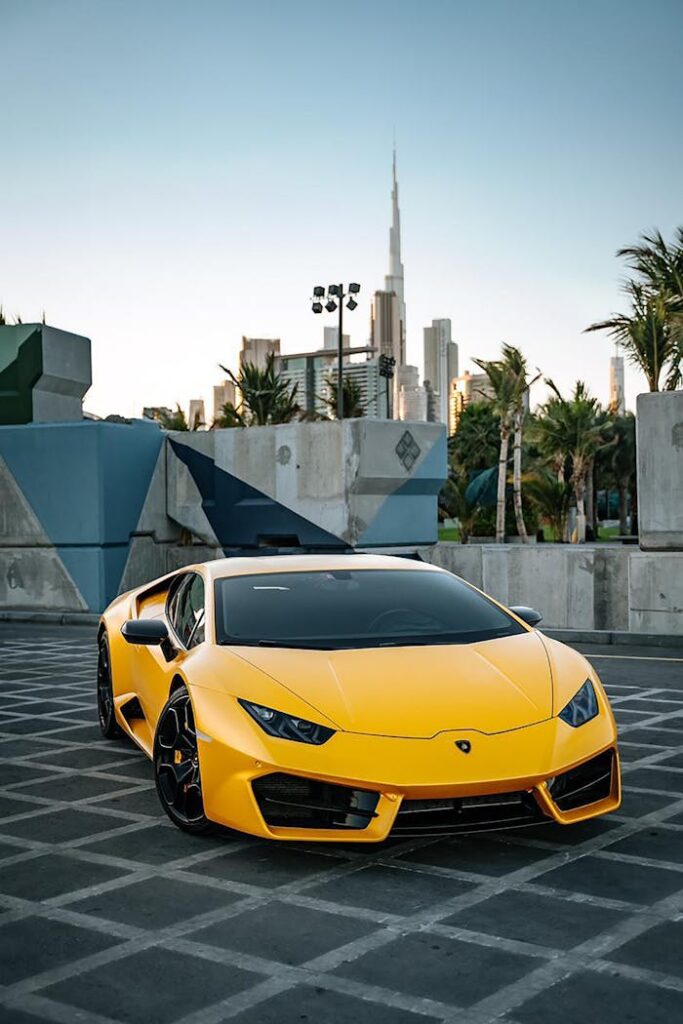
(603, 587)
(360, 483)
(90, 509)
(659, 425)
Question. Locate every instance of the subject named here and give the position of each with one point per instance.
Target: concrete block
(656, 592)
(659, 426)
(44, 374)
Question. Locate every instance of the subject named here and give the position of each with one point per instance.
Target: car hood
(491, 687)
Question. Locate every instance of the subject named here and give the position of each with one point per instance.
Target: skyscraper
(388, 316)
(385, 332)
(617, 401)
(412, 398)
(257, 350)
(441, 366)
(331, 338)
(223, 394)
(394, 282)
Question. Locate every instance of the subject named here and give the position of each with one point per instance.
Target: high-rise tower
(388, 316)
(394, 282)
(617, 404)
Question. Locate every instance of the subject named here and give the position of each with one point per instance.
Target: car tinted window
(355, 608)
(186, 610)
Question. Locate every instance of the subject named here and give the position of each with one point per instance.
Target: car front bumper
(234, 752)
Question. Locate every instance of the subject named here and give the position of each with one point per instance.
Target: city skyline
(168, 212)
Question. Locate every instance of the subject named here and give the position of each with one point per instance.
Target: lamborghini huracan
(364, 696)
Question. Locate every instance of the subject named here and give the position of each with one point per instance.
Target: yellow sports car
(352, 696)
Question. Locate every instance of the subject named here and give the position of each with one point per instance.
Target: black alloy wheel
(176, 765)
(105, 693)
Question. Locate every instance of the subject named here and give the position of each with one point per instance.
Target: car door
(185, 616)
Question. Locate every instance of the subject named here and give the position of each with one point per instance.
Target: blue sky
(174, 175)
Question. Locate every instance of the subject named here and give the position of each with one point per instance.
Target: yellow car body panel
(397, 713)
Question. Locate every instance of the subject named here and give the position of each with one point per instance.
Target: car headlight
(582, 707)
(286, 727)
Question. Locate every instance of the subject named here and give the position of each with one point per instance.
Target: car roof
(222, 567)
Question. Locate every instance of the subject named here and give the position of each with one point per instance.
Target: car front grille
(467, 814)
(291, 801)
(585, 784)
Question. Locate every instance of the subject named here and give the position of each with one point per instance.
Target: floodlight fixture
(336, 294)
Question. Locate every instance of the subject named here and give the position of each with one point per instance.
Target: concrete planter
(659, 429)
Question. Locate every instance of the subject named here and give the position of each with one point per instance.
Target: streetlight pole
(335, 298)
(340, 357)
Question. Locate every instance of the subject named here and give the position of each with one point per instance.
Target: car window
(186, 610)
(355, 608)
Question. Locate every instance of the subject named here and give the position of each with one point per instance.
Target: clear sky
(176, 174)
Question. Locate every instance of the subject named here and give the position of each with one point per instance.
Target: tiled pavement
(107, 913)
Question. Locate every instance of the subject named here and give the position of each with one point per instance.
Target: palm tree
(267, 397)
(551, 497)
(571, 431)
(659, 265)
(503, 387)
(453, 499)
(475, 443)
(651, 335)
(352, 398)
(516, 366)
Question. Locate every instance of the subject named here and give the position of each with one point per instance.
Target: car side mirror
(528, 615)
(151, 632)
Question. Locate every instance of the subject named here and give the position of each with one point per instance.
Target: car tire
(106, 715)
(176, 765)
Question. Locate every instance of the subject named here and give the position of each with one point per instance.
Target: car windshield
(339, 609)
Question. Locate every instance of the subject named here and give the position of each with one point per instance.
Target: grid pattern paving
(108, 913)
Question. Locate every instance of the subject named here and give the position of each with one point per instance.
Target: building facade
(387, 337)
(617, 402)
(257, 350)
(330, 338)
(470, 387)
(223, 394)
(440, 367)
(311, 371)
(412, 399)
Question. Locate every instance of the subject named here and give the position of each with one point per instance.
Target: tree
(652, 332)
(622, 454)
(453, 500)
(474, 445)
(658, 265)
(516, 367)
(570, 431)
(267, 397)
(551, 497)
(352, 398)
(503, 387)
